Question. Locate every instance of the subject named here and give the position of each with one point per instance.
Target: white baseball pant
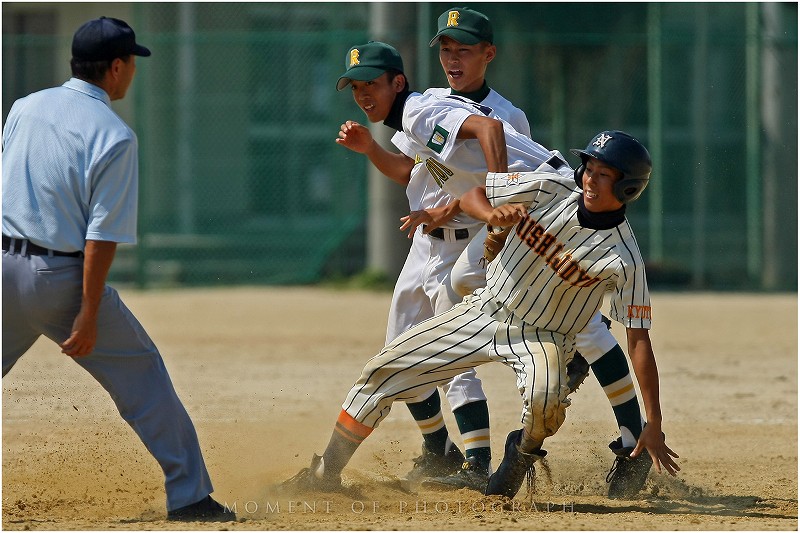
(419, 295)
(472, 333)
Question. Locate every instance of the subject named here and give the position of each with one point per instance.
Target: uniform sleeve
(520, 122)
(11, 122)
(527, 188)
(403, 143)
(434, 123)
(630, 301)
(114, 198)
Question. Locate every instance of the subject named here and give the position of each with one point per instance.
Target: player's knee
(546, 413)
(464, 389)
(592, 343)
(465, 283)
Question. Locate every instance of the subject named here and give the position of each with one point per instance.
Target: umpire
(70, 194)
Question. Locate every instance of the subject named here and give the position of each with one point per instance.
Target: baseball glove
(494, 242)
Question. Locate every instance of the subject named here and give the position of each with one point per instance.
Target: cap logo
(354, 57)
(452, 19)
(602, 140)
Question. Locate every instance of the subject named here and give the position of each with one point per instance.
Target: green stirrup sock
(428, 415)
(614, 375)
(473, 423)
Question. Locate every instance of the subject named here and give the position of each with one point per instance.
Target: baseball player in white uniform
(465, 53)
(568, 248)
(419, 293)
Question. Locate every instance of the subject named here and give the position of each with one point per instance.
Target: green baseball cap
(465, 25)
(366, 62)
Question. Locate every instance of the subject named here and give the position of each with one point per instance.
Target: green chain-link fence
(236, 114)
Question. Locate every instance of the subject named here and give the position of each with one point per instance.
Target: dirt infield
(263, 372)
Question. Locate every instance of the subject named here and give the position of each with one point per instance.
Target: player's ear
(399, 83)
(490, 52)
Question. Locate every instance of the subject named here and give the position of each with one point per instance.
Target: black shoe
(471, 476)
(206, 510)
(508, 478)
(628, 474)
(430, 464)
(313, 479)
(577, 372)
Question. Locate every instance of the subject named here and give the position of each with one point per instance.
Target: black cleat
(516, 465)
(206, 510)
(471, 476)
(430, 465)
(628, 474)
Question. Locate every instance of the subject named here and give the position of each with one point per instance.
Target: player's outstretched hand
(354, 136)
(414, 219)
(506, 215)
(652, 441)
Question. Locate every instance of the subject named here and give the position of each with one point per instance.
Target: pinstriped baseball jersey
(552, 272)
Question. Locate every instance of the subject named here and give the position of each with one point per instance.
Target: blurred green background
(236, 112)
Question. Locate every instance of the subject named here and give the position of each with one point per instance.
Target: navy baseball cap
(366, 62)
(465, 25)
(105, 38)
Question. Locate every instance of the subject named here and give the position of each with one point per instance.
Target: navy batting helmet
(623, 152)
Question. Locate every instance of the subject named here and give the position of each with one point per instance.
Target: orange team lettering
(640, 311)
(547, 246)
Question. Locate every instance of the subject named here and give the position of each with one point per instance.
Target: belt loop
(49, 253)
(23, 251)
(12, 245)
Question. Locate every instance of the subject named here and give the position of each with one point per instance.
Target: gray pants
(42, 296)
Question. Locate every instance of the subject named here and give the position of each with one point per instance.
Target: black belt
(556, 162)
(438, 233)
(35, 249)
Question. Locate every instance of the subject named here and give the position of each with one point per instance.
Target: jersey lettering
(565, 266)
(439, 172)
(640, 311)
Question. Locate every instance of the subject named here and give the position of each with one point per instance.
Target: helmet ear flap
(579, 174)
(629, 189)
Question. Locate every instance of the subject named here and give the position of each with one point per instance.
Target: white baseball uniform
(543, 288)
(418, 293)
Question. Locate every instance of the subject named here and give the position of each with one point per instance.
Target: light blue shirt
(70, 169)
